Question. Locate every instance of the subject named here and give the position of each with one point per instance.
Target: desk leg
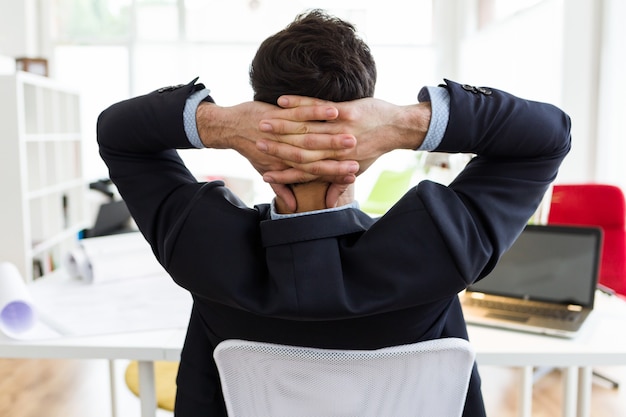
(147, 392)
(570, 391)
(526, 392)
(584, 391)
(113, 388)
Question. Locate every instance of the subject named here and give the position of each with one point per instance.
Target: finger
(327, 169)
(340, 179)
(304, 152)
(334, 192)
(285, 194)
(290, 101)
(283, 126)
(288, 176)
(310, 142)
(303, 113)
(340, 172)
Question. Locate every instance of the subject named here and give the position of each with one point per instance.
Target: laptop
(545, 283)
(113, 218)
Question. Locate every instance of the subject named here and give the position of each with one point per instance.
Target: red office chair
(597, 205)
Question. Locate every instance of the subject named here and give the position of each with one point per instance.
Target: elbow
(556, 125)
(565, 135)
(103, 127)
(110, 126)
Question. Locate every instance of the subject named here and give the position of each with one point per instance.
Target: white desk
(152, 311)
(144, 347)
(601, 342)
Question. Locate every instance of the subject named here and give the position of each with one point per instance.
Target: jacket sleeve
(137, 140)
(519, 146)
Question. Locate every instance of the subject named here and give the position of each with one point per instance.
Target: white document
(75, 308)
(60, 305)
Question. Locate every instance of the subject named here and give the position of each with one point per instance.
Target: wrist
(413, 125)
(214, 128)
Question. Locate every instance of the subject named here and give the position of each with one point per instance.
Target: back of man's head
(317, 55)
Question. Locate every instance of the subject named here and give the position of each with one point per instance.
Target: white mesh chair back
(426, 379)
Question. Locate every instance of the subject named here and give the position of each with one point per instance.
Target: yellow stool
(165, 382)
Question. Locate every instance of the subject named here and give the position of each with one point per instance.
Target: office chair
(596, 205)
(421, 379)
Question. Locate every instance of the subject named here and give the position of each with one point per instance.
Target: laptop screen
(548, 263)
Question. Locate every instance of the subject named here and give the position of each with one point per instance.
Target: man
(331, 278)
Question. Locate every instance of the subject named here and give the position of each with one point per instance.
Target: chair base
(542, 371)
(613, 383)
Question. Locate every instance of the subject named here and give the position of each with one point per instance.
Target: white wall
(19, 29)
(569, 53)
(582, 48)
(611, 146)
(522, 54)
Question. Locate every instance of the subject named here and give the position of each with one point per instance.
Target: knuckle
(303, 129)
(309, 142)
(341, 154)
(305, 178)
(271, 147)
(277, 128)
(316, 169)
(349, 114)
(297, 157)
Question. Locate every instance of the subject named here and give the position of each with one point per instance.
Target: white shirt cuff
(189, 117)
(440, 113)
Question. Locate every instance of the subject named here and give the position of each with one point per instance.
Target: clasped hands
(306, 139)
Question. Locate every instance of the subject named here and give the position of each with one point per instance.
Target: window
(113, 49)
(91, 21)
(496, 10)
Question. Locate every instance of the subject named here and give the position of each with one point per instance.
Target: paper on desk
(116, 285)
(115, 257)
(75, 308)
(54, 307)
(17, 313)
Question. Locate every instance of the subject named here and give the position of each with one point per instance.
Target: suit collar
(314, 226)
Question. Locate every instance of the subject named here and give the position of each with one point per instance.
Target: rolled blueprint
(17, 312)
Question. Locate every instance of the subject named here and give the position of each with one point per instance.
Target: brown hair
(317, 55)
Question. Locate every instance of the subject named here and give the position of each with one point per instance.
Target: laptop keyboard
(546, 312)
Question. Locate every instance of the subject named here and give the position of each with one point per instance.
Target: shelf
(39, 98)
(54, 189)
(54, 212)
(52, 163)
(71, 233)
(53, 137)
(41, 173)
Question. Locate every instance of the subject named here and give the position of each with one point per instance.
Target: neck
(311, 196)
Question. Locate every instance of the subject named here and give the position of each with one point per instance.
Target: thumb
(285, 195)
(334, 192)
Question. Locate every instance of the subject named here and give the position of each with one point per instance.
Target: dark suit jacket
(337, 279)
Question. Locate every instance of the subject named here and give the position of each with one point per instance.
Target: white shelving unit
(43, 200)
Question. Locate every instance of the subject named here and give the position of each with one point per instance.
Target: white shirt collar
(274, 215)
